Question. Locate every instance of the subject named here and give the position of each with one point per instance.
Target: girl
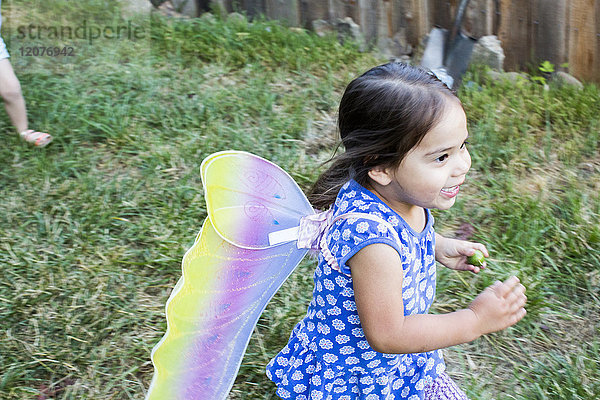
(10, 91)
(367, 333)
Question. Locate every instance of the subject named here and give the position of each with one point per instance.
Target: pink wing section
(229, 276)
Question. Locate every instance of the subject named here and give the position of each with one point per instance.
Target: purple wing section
(249, 197)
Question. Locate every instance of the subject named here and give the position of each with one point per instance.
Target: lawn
(93, 228)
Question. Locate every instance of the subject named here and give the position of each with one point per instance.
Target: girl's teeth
(451, 192)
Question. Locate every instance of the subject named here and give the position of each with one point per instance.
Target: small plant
(546, 68)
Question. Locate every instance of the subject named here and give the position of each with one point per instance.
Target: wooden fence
(564, 32)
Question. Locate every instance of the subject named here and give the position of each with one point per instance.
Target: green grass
(93, 228)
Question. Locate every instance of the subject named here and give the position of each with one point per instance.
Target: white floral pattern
(334, 361)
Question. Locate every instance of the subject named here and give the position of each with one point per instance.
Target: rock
(186, 7)
(488, 51)
(322, 27)
(208, 18)
(348, 29)
(515, 77)
(132, 7)
(562, 78)
(166, 8)
(396, 46)
(236, 17)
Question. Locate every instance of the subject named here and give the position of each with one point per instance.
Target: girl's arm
(377, 277)
(453, 253)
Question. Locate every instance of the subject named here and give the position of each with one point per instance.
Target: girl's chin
(446, 203)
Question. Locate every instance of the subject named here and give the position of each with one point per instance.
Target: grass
(93, 228)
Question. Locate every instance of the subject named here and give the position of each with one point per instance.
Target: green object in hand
(476, 259)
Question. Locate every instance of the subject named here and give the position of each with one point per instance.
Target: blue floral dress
(327, 356)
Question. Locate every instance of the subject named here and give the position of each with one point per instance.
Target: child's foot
(38, 139)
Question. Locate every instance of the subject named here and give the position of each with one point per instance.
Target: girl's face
(431, 173)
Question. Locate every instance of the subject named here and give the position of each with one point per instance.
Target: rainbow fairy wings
(244, 252)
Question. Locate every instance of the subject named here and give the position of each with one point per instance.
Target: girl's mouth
(451, 191)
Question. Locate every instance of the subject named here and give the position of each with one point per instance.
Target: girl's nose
(464, 163)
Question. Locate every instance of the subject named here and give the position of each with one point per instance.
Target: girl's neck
(415, 216)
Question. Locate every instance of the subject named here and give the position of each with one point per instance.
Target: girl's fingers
(508, 286)
(519, 289)
(518, 315)
(480, 247)
(471, 247)
(517, 299)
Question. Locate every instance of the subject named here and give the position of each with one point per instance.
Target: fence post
(584, 39)
(416, 20)
(283, 10)
(254, 7)
(514, 33)
(479, 18)
(549, 28)
(313, 10)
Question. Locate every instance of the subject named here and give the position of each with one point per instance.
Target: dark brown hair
(383, 114)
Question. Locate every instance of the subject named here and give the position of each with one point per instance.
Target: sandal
(38, 139)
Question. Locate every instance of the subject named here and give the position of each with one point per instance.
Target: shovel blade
(459, 56)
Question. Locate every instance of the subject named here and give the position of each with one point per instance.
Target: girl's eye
(466, 142)
(442, 158)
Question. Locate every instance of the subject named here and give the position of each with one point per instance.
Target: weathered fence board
(442, 12)
(549, 29)
(480, 18)
(368, 18)
(254, 7)
(514, 32)
(283, 10)
(313, 10)
(531, 31)
(583, 42)
(418, 24)
(344, 8)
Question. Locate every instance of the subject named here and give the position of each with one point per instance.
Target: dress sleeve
(349, 235)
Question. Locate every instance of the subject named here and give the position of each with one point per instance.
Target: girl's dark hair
(383, 114)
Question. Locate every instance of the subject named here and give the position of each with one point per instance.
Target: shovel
(447, 54)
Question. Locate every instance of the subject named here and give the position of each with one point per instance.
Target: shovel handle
(460, 13)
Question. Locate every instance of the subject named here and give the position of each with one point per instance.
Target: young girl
(367, 333)
(10, 91)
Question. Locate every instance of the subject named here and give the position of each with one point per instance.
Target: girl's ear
(380, 175)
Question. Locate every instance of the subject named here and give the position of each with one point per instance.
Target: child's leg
(444, 388)
(10, 90)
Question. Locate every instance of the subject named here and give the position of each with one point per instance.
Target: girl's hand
(453, 253)
(499, 306)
